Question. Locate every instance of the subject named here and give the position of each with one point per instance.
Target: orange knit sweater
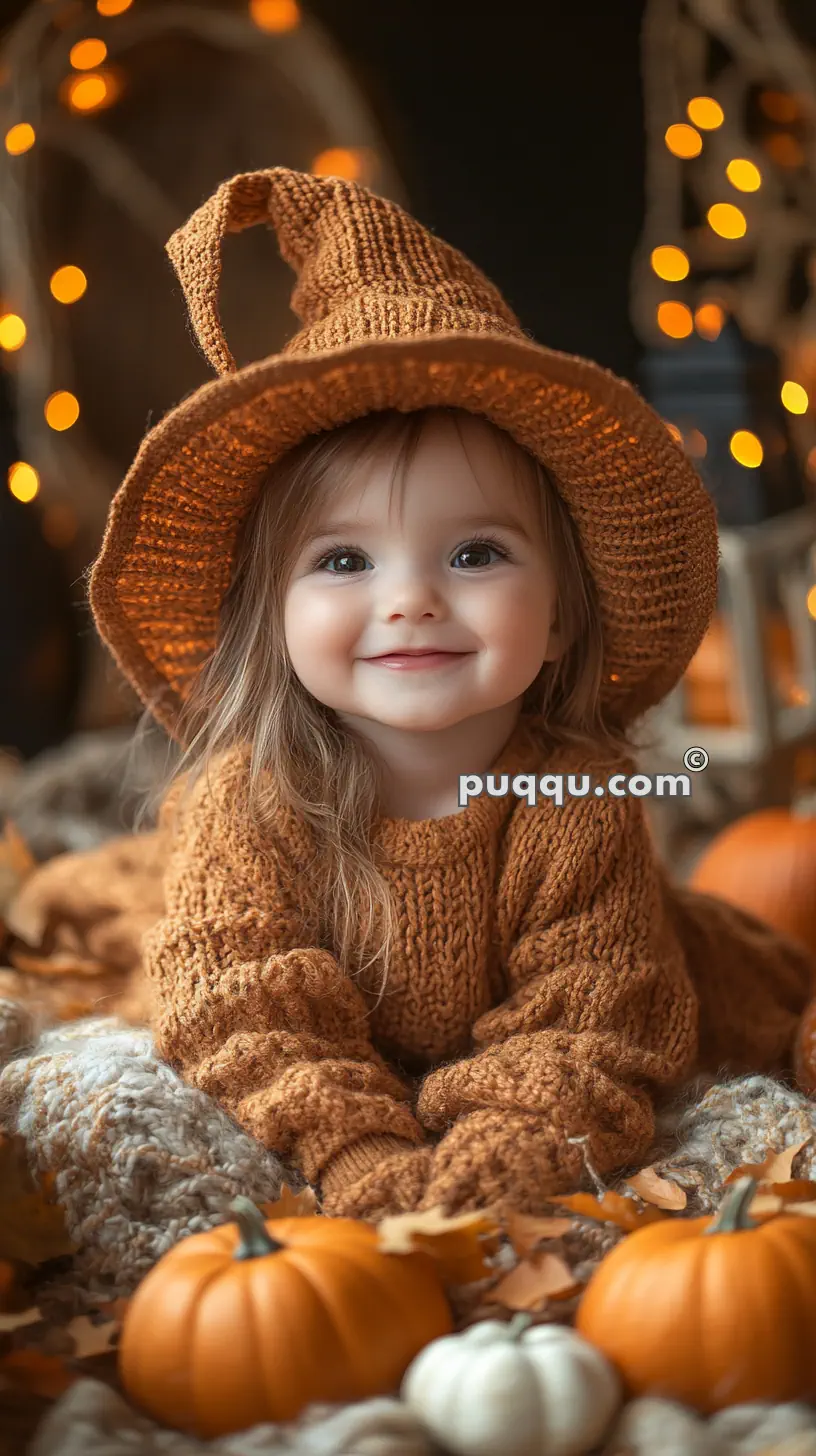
(549, 982)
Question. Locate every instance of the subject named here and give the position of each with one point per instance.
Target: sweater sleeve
(602, 1008)
(250, 1013)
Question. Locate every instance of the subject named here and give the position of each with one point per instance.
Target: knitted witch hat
(393, 318)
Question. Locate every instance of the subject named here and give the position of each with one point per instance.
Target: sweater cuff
(359, 1158)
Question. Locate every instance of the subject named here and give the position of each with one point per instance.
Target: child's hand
(396, 1185)
(499, 1160)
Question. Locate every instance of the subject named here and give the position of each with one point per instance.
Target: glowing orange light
(19, 138)
(794, 397)
(811, 600)
(276, 16)
(810, 464)
(674, 432)
(61, 410)
(23, 481)
(705, 112)
(614, 677)
(87, 54)
(696, 445)
(68, 284)
(12, 332)
(113, 7)
(683, 141)
(88, 93)
(743, 175)
(675, 319)
(338, 162)
(708, 320)
(670, 263)
(746, 449)
(726, 220)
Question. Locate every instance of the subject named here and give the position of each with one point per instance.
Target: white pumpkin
(508, 1388)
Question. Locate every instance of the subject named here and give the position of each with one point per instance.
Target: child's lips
(402, 661)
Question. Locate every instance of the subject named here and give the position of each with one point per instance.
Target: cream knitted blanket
(141, 1159)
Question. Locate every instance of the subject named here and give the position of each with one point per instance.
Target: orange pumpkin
(254, 1320)
(711, 1312)
(710, 684)
(765, 863)
(804, 1051)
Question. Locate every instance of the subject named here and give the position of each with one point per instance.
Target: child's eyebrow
(509, 523)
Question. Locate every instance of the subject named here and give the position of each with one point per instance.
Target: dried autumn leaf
(798, 1190)
(32, 1229)
(526, 1233)
(15, 1320)
(90, 1339)
(775, 1168)
(612, 1208)
(62, 963)
(541, 1277)
(291, 1205)
(652, 1188)
(39, 1374)
(459, 1244)
(16, 864)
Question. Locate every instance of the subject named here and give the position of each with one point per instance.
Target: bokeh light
(674, 318)
(743, 174)
(61, 410)
(708, 320)
(794, 397)
(275, 16)
(670, 263)
(784, 149)
(705, 112)
(87, 54)
(746, 448)
(683, 141)
(779, 106)
(23, 481)
(726, 220)
(113, 7)
(68, 284)
(20, 138)
(12, 332)
(338, 162)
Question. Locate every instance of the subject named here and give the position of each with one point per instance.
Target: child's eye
(347, 553)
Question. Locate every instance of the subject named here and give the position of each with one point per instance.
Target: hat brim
(646, 523)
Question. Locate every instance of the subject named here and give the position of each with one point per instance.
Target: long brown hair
(301, 754)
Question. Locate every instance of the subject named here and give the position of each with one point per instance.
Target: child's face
(409, 582)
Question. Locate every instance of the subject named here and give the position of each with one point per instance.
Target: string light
(20, 138)
(113, 7)
(68, 284)
(705, 112)
(338, 162)
(674, 318)
(12, 332)
(811, 601)
(726, 220)
(276, 16)
(87, 54)
(61, 410)
(670, 263)
(708, 320)
(23, 481)
(743, 175)
(91, 91)
(683, 141)
(794, 397)
(746, 449)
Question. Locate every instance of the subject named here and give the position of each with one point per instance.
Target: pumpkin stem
(254, 1241)
(732, 1215)
(517, 1325)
